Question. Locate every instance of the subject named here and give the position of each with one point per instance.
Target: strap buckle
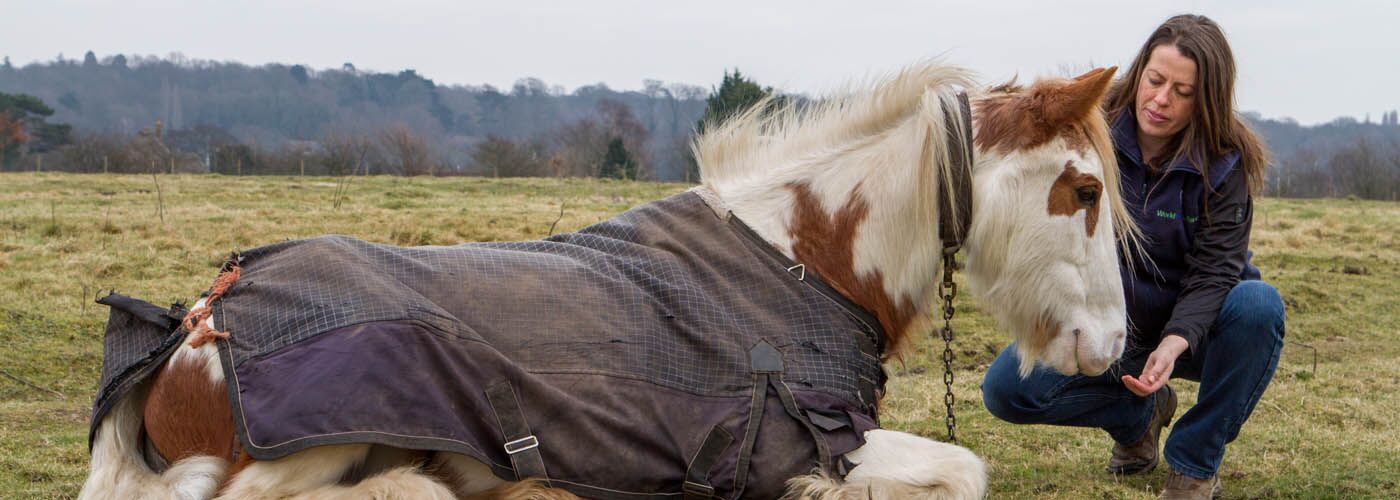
(692, 489)
(522, 444)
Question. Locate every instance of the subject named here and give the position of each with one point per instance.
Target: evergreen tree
(735, 95)
(299, 74)
(22, 122)
(618, 163)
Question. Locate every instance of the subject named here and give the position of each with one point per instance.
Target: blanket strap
(765, 361)
(521, 444)
(697, 484)
(800, 415)
(767, 365)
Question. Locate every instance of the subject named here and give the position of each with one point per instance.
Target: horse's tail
(895, 465)
(119, 469)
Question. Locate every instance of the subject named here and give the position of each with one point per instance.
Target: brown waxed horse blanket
(668, 352)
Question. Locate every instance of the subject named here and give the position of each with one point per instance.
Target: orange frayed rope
(200, 331)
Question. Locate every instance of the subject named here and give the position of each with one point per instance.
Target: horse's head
(1046, 216)
(847, 186)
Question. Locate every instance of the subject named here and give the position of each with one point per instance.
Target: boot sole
(1132, 469)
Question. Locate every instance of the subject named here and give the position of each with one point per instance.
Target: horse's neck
(860, 215)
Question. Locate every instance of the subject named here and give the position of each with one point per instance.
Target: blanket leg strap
(697, 482)
(800, 415)
(760, 394)
(521, 444)
(765, 361)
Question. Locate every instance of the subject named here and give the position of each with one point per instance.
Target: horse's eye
(1088, 196)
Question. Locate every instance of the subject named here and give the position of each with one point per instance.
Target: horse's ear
(1093, 72)
(1076, 99)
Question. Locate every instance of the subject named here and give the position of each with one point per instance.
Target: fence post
(38, 164)
(172, 165)
(240, 167)
(303, 167)
(104, 164)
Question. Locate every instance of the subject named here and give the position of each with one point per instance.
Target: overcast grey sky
(1310, 60)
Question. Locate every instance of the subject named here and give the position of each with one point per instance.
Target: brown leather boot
(1183, 487)
(1142, 456)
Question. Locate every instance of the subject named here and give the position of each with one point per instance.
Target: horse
(852, 191)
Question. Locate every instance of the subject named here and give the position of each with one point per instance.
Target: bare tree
(344, 153)
(501, 157)
(579, 149)
(1361, 171)
(621, 123)
(97, 153)
(405, 151)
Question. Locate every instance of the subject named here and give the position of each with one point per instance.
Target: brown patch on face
(1049, 109)
(826, 245)
(187, 414)
(1074, 191)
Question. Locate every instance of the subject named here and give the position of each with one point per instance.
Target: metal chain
(948, 289)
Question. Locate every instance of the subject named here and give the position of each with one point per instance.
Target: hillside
(272, 105)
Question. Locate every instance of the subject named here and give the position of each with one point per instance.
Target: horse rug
(668, 352)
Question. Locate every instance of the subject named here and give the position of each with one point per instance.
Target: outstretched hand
(1158, 368)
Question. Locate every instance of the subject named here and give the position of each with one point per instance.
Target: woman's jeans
(1233, 364)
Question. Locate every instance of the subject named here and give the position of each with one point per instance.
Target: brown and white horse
(849, 187)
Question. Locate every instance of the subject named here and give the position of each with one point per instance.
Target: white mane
(768, 134)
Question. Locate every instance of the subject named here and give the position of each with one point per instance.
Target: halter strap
(952, 230)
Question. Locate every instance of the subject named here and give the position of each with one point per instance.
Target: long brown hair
(1215, 127)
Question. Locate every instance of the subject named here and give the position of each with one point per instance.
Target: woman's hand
(1158, 368)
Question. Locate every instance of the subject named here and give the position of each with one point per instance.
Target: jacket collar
(1124, 131)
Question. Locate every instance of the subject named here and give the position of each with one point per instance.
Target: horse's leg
(466, 476)
(472, 480)
(118, 469)
(316, 473)
(896, 465)
(529, 489)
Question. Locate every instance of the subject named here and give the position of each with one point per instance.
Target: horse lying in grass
(722, 343)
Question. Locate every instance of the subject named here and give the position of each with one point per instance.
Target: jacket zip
(1160, 178)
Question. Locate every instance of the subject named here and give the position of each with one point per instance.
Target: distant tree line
(141, 114)
(280, 110)
(1345, 157)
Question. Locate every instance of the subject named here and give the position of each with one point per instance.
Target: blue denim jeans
(1234, 364)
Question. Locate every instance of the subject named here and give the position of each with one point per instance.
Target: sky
(1307, 60)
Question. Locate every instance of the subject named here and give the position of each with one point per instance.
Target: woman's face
(1166, 94)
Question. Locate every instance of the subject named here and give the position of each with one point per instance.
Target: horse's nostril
(1076, 332)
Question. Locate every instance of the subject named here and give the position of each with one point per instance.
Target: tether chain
(948, 289)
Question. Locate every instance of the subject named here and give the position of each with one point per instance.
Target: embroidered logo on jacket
(1170, 215)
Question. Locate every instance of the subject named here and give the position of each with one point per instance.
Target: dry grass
(63, 237)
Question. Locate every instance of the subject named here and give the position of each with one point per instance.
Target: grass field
(1329, 433)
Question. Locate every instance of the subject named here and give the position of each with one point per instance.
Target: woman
(1196, 309)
